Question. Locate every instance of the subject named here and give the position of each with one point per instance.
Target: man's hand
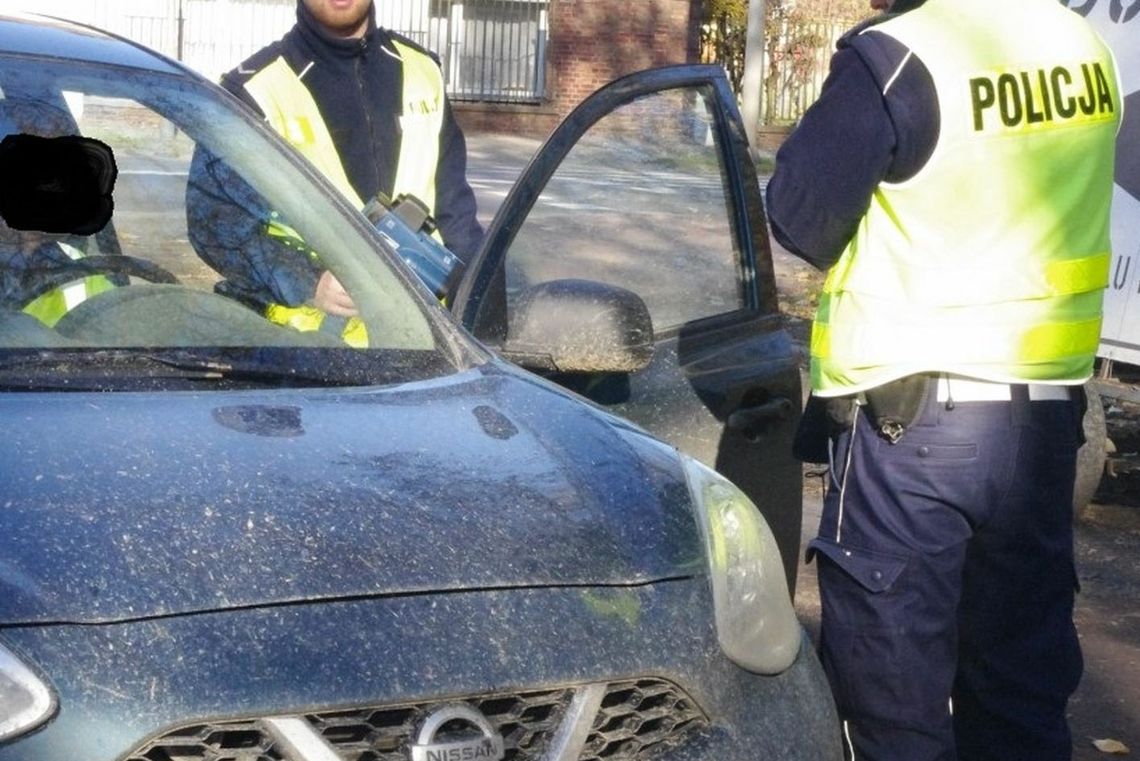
(331, 297)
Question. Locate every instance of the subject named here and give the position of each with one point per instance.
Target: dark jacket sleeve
(227, 226)
(876, 120)
(829, 166)
(455, 200)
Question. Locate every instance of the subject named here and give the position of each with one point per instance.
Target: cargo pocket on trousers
(874, 571)
(872, 669)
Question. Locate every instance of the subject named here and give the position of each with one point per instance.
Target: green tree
(724, 24)
(792, 37)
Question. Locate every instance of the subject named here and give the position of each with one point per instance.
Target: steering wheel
(103, 264)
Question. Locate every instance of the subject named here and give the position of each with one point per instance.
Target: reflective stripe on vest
(992, 260)
(291, 111)
(308, 319)
(420, 126)
(49, 307)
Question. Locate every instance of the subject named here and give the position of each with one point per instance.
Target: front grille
(636, 720)
(632, 720)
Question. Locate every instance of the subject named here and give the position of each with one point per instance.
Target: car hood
(124, 505)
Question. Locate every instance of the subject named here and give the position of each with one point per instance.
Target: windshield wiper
(115, 369)
(154, 368)
(211, 366)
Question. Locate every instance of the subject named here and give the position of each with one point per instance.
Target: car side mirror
(579, 326)
(58, 185)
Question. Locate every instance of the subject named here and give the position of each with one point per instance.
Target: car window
(215, 243)
(152, 157)
(639, 202)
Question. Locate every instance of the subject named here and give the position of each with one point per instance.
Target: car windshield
(206, 269)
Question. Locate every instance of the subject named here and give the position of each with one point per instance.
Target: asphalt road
(493, 164)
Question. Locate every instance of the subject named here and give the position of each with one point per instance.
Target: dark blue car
(487, 529)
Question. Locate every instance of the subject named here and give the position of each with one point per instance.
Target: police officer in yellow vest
(29, 267)
(955, 179)
(368, 108)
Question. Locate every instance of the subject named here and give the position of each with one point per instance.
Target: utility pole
(181, 56)
(753, 80)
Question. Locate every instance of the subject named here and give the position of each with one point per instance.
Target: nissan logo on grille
(468, 736)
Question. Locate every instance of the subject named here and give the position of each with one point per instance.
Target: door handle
(752, 421)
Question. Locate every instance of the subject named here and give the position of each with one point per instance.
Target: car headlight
(25, 701)
(755, 621)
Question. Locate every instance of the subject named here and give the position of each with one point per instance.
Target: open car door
(631, 264)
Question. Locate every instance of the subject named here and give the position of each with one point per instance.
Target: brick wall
(591, 43)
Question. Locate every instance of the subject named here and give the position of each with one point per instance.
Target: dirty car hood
(120, 506)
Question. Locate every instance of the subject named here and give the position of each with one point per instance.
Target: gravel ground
(1121, 482)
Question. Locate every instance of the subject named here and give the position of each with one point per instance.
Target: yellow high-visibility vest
(49, 307)
(991, 261)
(290, 109)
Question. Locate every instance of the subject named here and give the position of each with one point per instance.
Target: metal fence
(796, 62)
(491, 50)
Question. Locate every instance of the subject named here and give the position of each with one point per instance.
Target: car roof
(47, 37)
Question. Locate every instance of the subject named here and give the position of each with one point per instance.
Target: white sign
(1118, 22)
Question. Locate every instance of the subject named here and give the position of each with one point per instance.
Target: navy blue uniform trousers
(947, 582)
